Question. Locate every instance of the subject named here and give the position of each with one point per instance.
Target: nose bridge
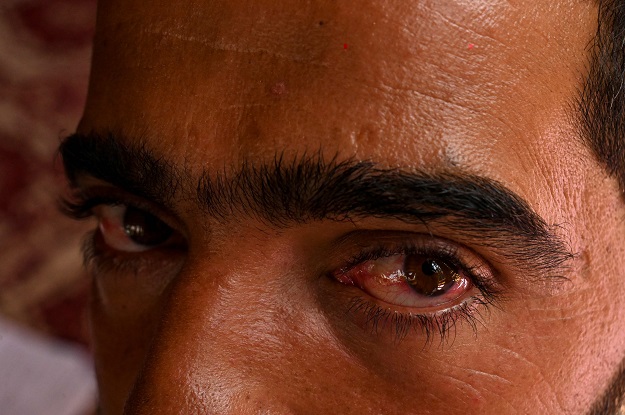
(199, 360)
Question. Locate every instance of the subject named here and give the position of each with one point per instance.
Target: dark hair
(601, 102)
(601, 106)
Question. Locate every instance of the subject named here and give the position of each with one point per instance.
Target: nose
(229, 343)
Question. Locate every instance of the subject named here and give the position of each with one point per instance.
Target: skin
(240, 322)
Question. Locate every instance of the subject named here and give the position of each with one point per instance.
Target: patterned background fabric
(45, 48)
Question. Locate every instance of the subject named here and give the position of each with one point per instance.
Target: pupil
(144, 228)
(430, 267)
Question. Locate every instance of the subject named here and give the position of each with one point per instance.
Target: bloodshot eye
(129, 229)
(425, 283)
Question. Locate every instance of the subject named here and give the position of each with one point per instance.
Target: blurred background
(45, 368)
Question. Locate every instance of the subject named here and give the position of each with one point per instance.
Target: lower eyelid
(382, 321)
(99, 258)
(472, 293)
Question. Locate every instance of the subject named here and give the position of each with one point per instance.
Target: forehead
(481, 84)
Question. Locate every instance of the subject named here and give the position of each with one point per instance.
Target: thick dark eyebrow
(134, 169)
(309, 188)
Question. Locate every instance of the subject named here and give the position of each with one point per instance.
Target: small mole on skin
(321, 22)
(278, 89)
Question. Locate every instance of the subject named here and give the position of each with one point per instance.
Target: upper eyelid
(382, 252)
(395, 243)
(509, 273)
(393, 239)
(77, 206)
(85, 199)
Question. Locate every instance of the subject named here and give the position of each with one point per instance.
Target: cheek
(120, 342)
(125, 311)
(565, 344)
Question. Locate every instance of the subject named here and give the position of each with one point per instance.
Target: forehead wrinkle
(479, 35)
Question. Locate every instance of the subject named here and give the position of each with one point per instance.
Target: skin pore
(294, 155)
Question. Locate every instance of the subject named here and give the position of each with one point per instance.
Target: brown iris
(144, 228)
(428, 276)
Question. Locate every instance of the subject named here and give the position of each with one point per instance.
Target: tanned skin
(264, 174)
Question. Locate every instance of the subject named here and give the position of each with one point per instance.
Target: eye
(129, 229)
(405, 283)
(420, 281)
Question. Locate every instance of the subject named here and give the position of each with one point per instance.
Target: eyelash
(472, 311)
(80, 206)
(401, 324)
(377, 318)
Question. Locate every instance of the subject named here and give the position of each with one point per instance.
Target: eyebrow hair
(310, 188)
(599, 105)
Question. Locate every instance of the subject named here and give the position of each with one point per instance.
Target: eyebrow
(283, 192)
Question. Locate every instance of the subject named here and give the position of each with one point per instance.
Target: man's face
(340, 207)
